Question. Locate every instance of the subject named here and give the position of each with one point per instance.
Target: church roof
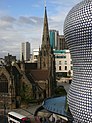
(40, 74)
(30, 66)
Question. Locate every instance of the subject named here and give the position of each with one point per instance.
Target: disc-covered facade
(78, 35)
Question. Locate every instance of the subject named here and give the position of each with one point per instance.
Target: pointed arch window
(3, 84)
(44, 53)
(44, 64)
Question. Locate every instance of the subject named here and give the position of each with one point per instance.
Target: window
(44, 53)
(59, 62)
(60, 57)
(44, 65)
(59, 67)
(65, 67)
(65, 62)
(35, 57)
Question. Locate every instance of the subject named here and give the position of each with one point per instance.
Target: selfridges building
(78, 35)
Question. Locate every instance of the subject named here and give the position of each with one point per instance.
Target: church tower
(45, 37)
(46, 52)
(46, 59)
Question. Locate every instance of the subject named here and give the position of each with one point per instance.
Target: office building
(25, 51)
(78, 34)
(35, 54)
(57, 41)
(64, 67)
(54, 38)
(61, 44)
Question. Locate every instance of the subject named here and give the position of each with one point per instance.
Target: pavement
(66, 85)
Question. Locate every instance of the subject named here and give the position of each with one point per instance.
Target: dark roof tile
(40, 74)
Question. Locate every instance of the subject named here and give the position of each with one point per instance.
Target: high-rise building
(57, 41)
(54, 38)
(78, 34)
(25, 51)
(61, 44)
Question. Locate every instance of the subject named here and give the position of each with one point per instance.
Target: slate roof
(30, 66)
(40, 74)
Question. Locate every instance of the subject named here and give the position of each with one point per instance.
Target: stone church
(33, 80)
(46, 59)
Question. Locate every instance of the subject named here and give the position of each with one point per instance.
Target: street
(66, 85)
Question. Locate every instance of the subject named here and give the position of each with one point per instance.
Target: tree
(60, 91)
(26, 93)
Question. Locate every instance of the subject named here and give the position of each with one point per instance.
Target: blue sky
(22, 20)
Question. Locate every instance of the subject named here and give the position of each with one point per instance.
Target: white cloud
(7, 19)
(13, 31)
(61, 8)
(64, 3)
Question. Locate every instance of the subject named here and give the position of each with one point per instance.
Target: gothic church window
(44, 53)
(3, 84)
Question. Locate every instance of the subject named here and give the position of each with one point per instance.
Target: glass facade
(78, 35)
(52, 39)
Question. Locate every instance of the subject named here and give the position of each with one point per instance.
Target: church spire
(45, 3)
(45, 37)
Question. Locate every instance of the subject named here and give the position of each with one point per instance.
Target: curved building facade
(78, 35)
